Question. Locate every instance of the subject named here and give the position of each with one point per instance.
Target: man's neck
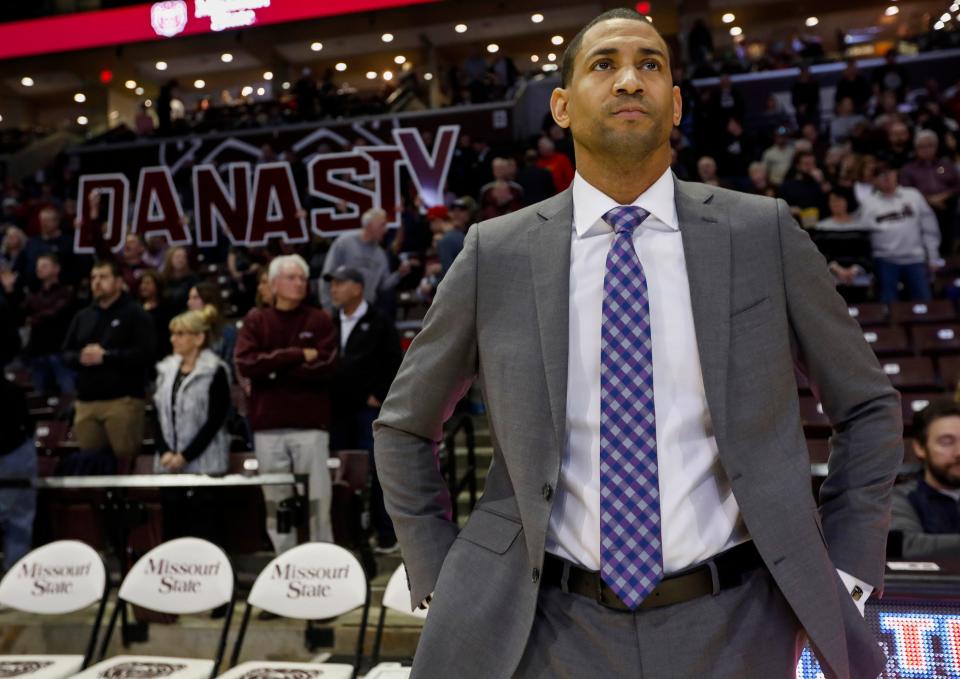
(281, 304)
(107, 302)
(624, 179)
(366, 237)
(350, 307)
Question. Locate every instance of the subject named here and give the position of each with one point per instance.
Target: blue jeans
(48, 373)
(17, 506)
(915, 278)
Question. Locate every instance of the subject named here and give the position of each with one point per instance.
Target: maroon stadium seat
(911, 373)
(869, 314)
(887, 341)
(819, 450)
(933, 311)
(815, 422)
(949, 370)
(54, 436)
(936, 339)
(910, 403)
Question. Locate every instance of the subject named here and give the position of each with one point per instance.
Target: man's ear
(677, 106)
(558, 107)
(919, 450)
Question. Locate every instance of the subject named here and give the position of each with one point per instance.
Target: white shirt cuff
(858, 589)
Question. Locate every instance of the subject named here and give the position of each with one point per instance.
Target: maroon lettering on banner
(156, 209)
(387, 162)
(323, 171)
(428, 170)
(217, 208)
(276, 207)
(113, 191)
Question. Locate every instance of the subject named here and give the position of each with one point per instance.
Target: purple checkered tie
(631, 560)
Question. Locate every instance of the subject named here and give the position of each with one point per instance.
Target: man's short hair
(922, 419)
(107, 264)
(278, 263)
(926, 135)
(372, 214)
(573, 48)
(52, 256)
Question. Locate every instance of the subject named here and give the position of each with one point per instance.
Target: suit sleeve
(436, 372)
(857, 397)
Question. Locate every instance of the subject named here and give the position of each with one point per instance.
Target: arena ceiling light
(557, 40)
(534, 58)
(246, 91)
(268, 75)
(892, 10)
(811, 22)
(371, 75)
(399, 59)
(460, 28)
(130, 84)
(387, 37)
(285, 85)
(388, 75)
(493, 48)
(316, 46)
(226, 57)
(199, 83)
(79, 97)
(945, 17)
(728, 18)
(160, 66)
(261, 91)
(550, 67)
(148, 102)
(138, 91)
(82, 120)
(938, 26)
(26, 81)
(551, 57)
(536, 18)
(113, 115)
(736, 31)
(341, 66)
(428, 76)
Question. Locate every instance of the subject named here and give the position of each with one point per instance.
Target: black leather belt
(725, 570)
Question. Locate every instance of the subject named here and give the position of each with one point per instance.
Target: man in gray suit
(648, 508)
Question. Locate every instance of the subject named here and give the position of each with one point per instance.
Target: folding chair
(60, 577)
(396, 597)
(316, 580)
(179, 577)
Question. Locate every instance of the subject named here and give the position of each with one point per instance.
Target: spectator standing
(759, 182)
(779, 157)
(53, 239)
(369, 359)
(805, 189)
(926, 510)
(150, 293)
(191, 403)
(845, 120)
(111, 346)
(556, 163)
(47, 311)
(500, 198)
(18, 459)
(13, 255)
(362, 251)
(938, 180)
(178, 277)
(504, 170)
(899, 150)
(805, 96)
(844, 216)
(904, 236)
(223, 334)
(537, 182)
(852, 84)
(891, 77)
(288, 352)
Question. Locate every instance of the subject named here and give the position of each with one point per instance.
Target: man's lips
(630, 112)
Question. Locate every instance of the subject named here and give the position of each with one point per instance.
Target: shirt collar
(357, 313)
(590, 204)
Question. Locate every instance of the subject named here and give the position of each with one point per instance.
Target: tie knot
(625, 218)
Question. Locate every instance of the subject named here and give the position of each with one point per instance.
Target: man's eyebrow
(607, 51)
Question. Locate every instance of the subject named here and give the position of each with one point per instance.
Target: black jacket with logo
(369, 361)
(126, 332)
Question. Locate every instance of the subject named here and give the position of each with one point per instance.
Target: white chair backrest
(396, 596)
(60, 577)
(182, 576)
(310, 581)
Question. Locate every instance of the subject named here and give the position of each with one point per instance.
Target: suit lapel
(706, 245)
(549, 243)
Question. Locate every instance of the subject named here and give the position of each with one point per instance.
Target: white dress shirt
(700, 516)
(348, 322)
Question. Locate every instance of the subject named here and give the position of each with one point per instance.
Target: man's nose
(628, 81)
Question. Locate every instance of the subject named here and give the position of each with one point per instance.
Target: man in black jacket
(369, 359)
(111, 345)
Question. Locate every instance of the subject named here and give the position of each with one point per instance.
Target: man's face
(290, 284)
(49, 222)
(899, 134)
(886, 181)
(807, 164)
(132, 249)
(345, 293)
(47, 270)
(926, 149)
(377, 228)
(941, 453)
(103, 284)
(620, 100)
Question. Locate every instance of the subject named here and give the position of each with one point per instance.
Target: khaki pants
(117, 423)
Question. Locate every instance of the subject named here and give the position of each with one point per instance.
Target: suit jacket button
(535, 576)
(547, 492)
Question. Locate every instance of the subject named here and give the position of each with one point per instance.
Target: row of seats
(189, 576)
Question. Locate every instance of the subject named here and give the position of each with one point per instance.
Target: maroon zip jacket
(286, 391)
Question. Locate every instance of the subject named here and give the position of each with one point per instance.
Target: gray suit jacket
(762, 301)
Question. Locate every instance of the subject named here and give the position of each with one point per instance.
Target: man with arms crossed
(648, 509)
